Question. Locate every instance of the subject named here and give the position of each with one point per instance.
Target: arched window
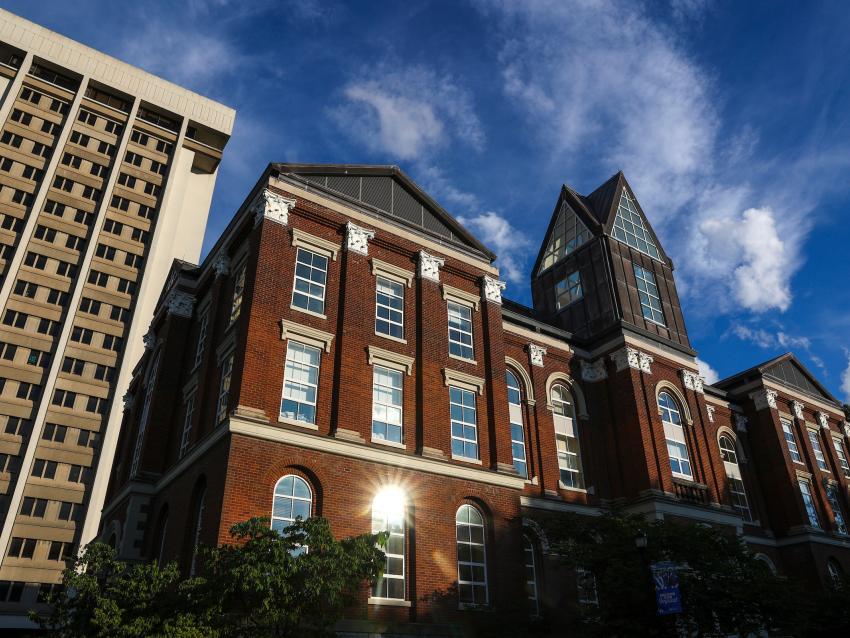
(471, 556)
(531, 585)
(293, 499)
(566, 437)
(677, 447)
(836, 574)
(733, 476)
(517, 429)
(199, 517)
(764, 559)
(388, 516)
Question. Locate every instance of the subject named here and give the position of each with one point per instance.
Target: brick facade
(614, 380)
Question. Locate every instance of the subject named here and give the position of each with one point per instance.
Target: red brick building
(345, 351)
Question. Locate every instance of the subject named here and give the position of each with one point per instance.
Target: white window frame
(292, 346)
(568, 290)
(188, 415)
(737, 491)
(671, 431)
(380, 389)
(238, 293)
(820, 459)
(464, 424)
(393, 523)
(470, 564)
(833, 496)
(291, 499)
(842, 456)
(809, 502)
(567, 442)
(454, 307)
(322, 286)
(650, 291)
(391, 322)
(532, 587)
(791, 440)
(225, 378)
(203, 327)
(515, 418)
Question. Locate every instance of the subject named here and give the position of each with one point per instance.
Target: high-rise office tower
(106, 176)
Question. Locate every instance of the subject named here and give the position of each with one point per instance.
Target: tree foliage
(264, 584)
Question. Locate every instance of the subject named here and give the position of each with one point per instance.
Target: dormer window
(630, 229)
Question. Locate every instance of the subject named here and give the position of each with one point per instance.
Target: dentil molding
(269, 205)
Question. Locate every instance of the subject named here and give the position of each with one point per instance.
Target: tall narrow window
(388, 516)
(224, 388)
(650, 301)
(300, 382)
(202, 337)
(834, 498)
(464, 423)
(387, 404)
(836, 574)
(460, 330)
(790, 441)
(674, 433)
(517, 429)
(238, 292)
(311, 272)
(471, 556)
(292, 500)
(196, 540)
(842, 457)
(531, 588)
(188, 414)
(389, 307)
(143, 418)
(733, 476)
(629, 227)
(809, 502)
(819, 457)
(566, 437)
(568, 290)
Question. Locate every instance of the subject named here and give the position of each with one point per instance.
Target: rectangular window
(390, 519)
(464, 423)
(568, 290)
(790, 441)
(650, 301)
(809, 502)
(224, 389)
(819, 457)
(833, 497)
(187, 424)
(311, 271)
(460, 330)
(238, 291)
(387, 404)
(202, 337)
(300, 382)
(389, 308)
(842, 457)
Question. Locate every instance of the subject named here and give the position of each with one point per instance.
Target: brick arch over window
(533, 528)
(573, 387)
(528, 387)
(666, 386)
(274, 473)
(727, 431)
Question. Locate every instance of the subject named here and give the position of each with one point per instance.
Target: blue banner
(667, 594)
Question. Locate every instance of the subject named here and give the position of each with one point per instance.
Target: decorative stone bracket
(357, 238)
(741, 422)
(593, 371)
(764, 399)
(221, 265)
(710, 409)
(797, 408)
(269, 205)
(628, 357)
(429, 266)
(179, 303)
(692, 380)
(823, 420)
(493, 289)
(535, 354)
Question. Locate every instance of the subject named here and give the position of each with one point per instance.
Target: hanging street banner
(667, 594)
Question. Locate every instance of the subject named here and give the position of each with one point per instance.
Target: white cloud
(607, 83)
(845, 379)
(407, 113)
(709, 374)
(507, 242)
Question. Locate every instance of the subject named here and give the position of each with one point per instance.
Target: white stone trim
(392, 360)
(429, 266)
(493, 289)
(764, 399)
(179, 303)
(388, 602)
(626, 357)
(371, 453)
(797, 409)
(710, 410)
(394, 273)
(684, 408)
(692, 380)
(535, 354)
(593, 371)
(526, 333)
(463, 380)
(450, 293)
(357, 238)
(306, 334)
(516, 367)
(269, 205)
(316, 244)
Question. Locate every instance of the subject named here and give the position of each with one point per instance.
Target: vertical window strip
(674, 433)
(238, 293)
(387, 410)
(842, 457)
(650, 300)
(292, 501)
(464, 423)
(193, 566)
(202, 337)
(516, 423)
(189, 413)
(837, 513)
(311, 270)
(566, 438)
(300, 382)
(224, 388)
(568, 290)
(143, 418)
(391, 584)
(460, 330)
(389, 307)
(531, 578)
(819, 457)
(471, 556)
(809, 502)
(790, 441)
(737, 492)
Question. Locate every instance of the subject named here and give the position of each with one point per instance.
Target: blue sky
(731, 121)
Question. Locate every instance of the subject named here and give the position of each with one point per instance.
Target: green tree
(264, 584)
(725, 589)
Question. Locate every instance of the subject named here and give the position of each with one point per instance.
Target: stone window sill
(388, 443)
(388, 602)
(466, 459)
(296, 422)
(307, 312)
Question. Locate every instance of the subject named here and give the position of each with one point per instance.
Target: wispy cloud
(708, 373)
(778, 340)
(510, 244)
(845, 379)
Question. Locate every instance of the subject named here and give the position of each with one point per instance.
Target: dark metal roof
(387, 191)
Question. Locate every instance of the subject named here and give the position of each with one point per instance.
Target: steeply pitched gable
(788, 370)
(570, 227)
